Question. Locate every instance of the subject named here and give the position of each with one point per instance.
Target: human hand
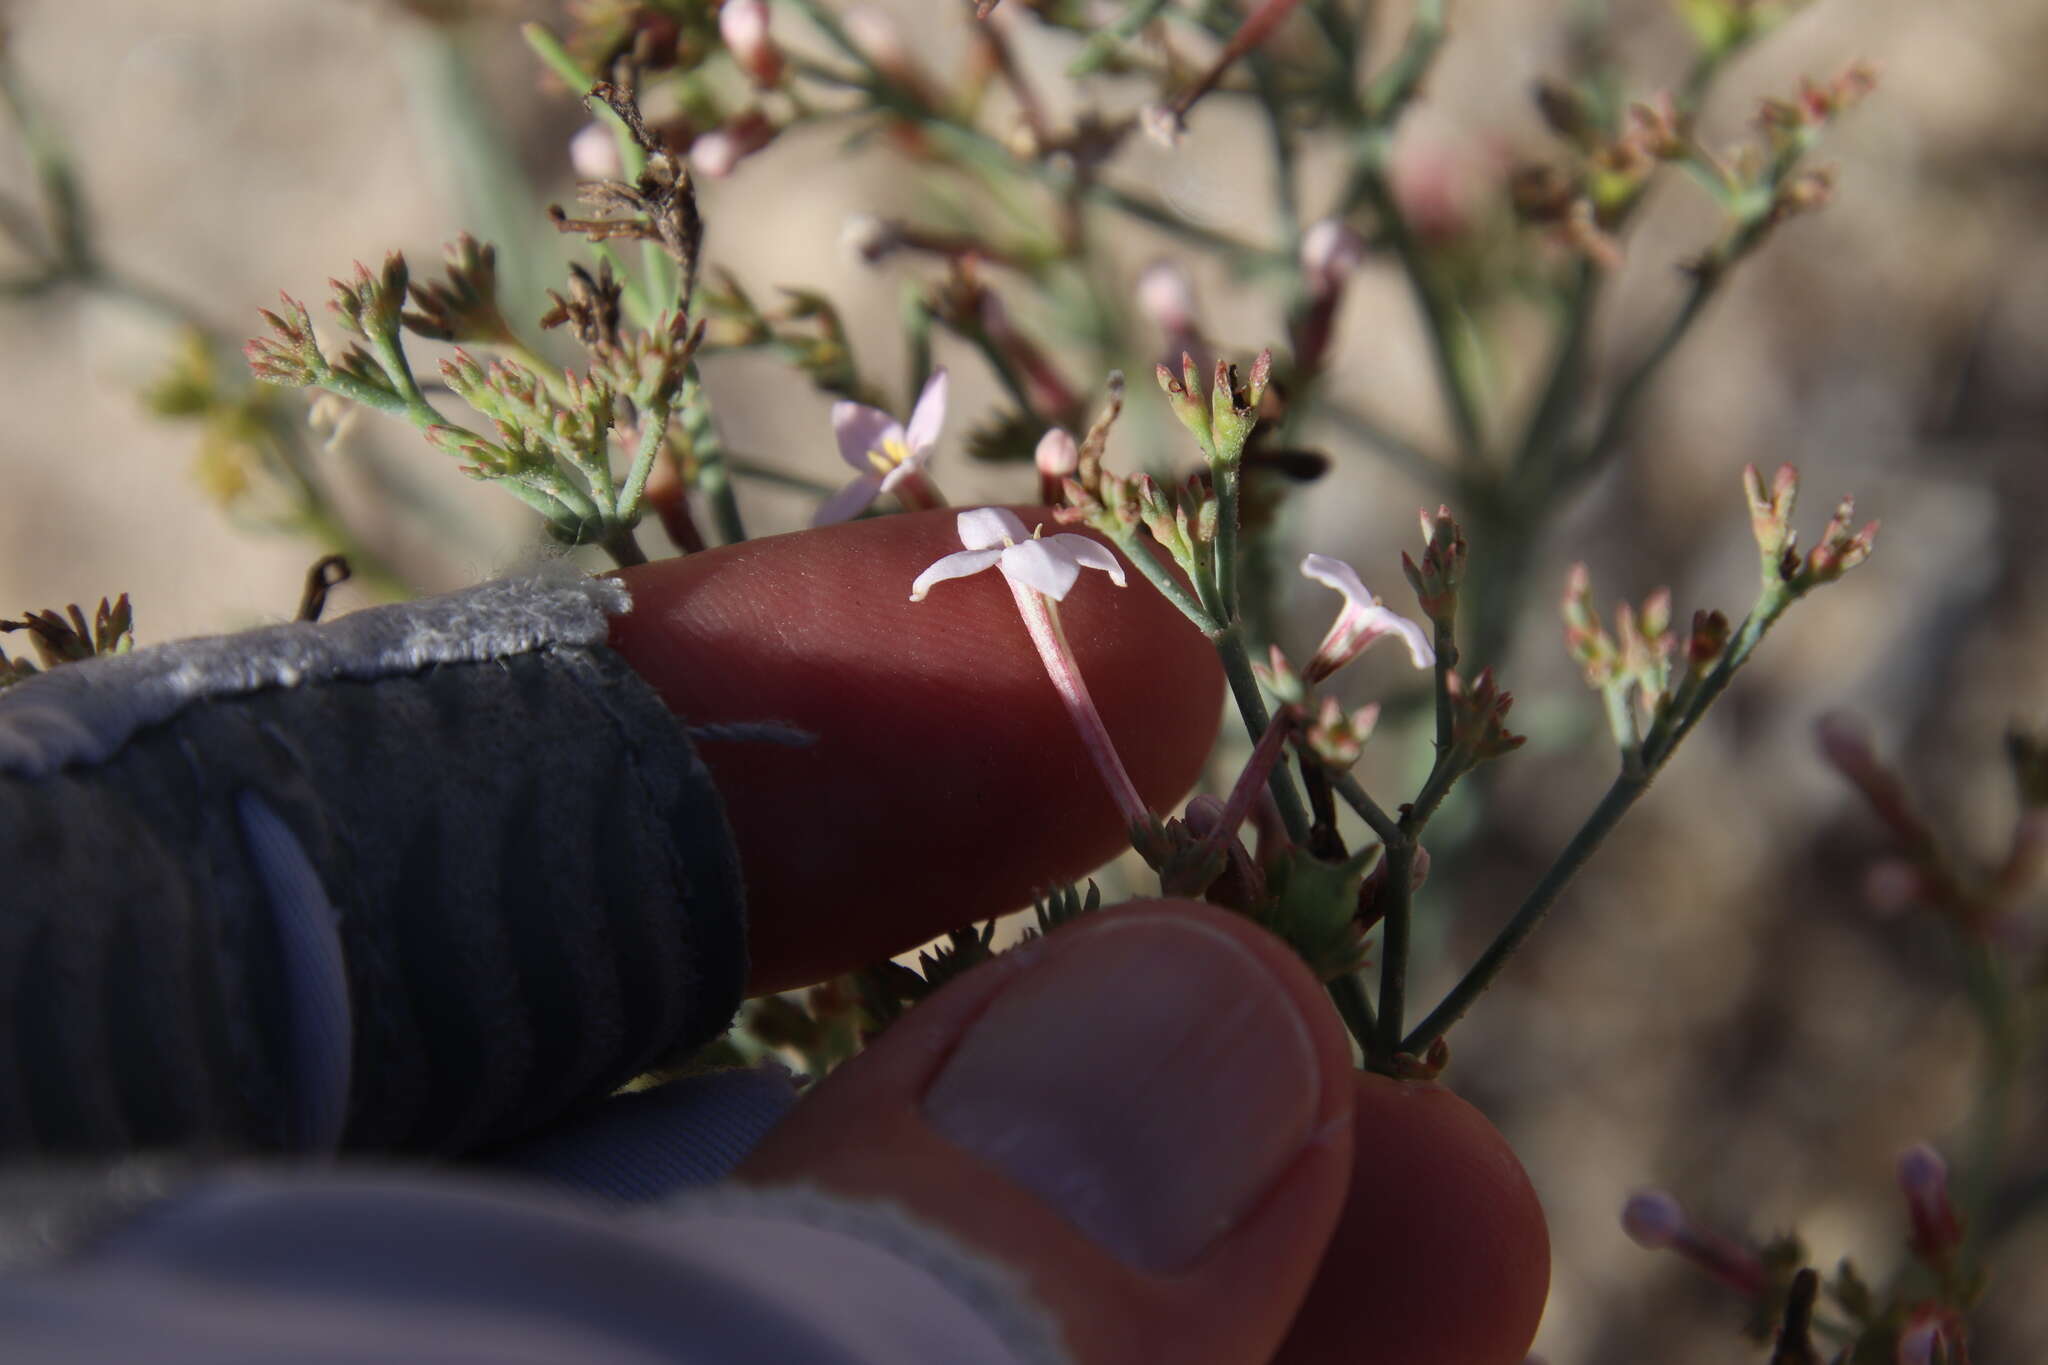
(1152, 1116)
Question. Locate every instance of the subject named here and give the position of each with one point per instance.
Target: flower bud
(594, 153)
(716, 153)
(1653, 1219)
(1167, 297)
(1923, 1179)
(743, 24)
(1330, 251)
(1057, 455)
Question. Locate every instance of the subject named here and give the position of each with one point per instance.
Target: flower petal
(1087, 553)
(985, 528)
(861, 429)
(1038, 565)
(850, 501)
(958, 565)
(928, 416)
(1335, 573)
(1421, 649)
(910, 468)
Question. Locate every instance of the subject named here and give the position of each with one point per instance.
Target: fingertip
(1442, 1255)
(945, 782)
(1147, 1116)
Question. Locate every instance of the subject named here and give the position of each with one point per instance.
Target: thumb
(1146, 1115)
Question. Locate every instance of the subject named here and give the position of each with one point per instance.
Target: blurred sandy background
(1713, 1007)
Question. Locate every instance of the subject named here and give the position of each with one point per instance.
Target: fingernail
(1149, 1079)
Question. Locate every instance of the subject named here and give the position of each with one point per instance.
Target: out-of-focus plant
(1990, 915)
(1010, 272)
(65, 637)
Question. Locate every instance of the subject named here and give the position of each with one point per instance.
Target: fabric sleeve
(248, 1267)
(420, 880)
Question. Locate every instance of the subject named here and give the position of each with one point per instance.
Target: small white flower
(1040, 570)
(886, 453)
(1046, 564)
(1362, 621)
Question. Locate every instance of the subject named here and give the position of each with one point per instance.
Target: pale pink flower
(743, 24)
(1363, 620)
(888, 456)
(1041, 570)
(1044, 564)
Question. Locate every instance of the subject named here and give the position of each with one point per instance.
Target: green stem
(1347, 993)
(714, 479)
(494, 192)
(1244, 687)
(1375, 816)
(1390, 92)
(623, 546)
(1605, 816)
(632, 159)
(1563, 386)
(653, 436)
(1394, 922)
(1227, 473)
(63, 205)
(1614, 422)
(1657, 747)
(1439, 323)
(1991, 1116)
(1100, 48)
(1137, 549)
(1398, 451)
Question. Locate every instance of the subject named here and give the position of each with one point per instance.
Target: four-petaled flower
(1036, 563)
(1362, 621)
(1040, 570)
(889, 455)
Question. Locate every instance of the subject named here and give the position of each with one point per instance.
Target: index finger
(945, 783)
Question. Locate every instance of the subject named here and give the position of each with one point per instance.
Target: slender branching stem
(1244, 688)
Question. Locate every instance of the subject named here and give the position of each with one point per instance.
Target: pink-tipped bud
(716, 153)
(1923, 1179)
(1418, 869)
(1330, 251)
(1167, 298)
(1653, 1219)
(743, 24)
(1204, 815)
(594, 153)
(1057, 455)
